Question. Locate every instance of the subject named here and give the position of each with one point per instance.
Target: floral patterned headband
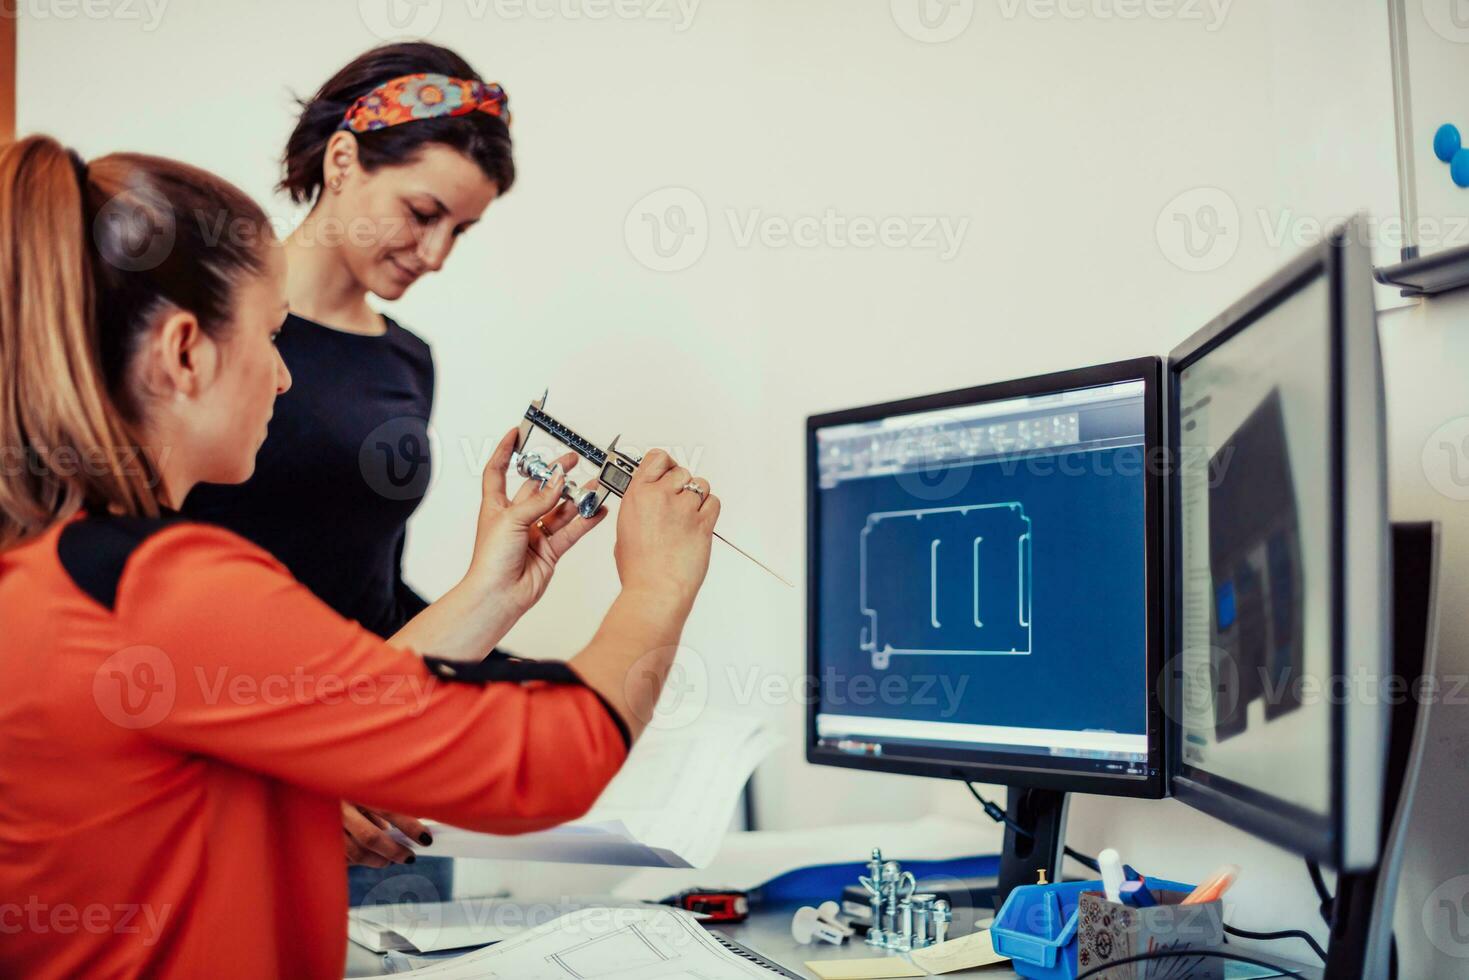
(424, 96)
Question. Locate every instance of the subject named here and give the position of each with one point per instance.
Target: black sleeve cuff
(617, 720)
(502, 668)
(497, 654)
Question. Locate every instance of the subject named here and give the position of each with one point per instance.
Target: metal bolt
(922, 915)
(532, 467)
(904, 939)
(942, 916)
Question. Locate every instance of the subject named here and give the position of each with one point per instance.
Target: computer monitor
(1280, 600)
(984, 575)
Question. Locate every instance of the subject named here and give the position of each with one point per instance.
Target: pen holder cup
(1040, 926)
(1109, 931)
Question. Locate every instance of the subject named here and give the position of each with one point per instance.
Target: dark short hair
(481, 137)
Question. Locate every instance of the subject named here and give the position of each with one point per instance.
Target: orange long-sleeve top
(179, 721)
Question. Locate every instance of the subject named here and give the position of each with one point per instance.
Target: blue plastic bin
(1036, 927)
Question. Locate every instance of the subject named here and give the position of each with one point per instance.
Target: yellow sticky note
(964, 953)
(873, 968)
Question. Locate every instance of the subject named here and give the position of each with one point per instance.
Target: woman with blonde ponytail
(180, 718)
(64, 443)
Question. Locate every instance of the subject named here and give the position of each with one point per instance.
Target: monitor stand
(1041, 813)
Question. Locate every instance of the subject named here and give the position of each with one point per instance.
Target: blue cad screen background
(1087, 666)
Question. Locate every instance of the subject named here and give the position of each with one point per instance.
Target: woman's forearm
(629, 658)
(627, 661)
(464, 624)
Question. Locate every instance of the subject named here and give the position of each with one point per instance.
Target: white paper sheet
(669, 807)
(650, 944)
(964, 953)
(429, 927)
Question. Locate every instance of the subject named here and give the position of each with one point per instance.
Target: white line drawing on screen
(933, 588)
(995, 583)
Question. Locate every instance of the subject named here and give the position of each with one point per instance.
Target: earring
(336, 184)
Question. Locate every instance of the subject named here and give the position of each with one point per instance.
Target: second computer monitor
(1280, 557)
(984, 576)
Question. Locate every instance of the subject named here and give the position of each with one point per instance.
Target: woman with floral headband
(399, 153)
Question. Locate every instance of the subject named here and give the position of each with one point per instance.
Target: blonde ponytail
(70, 313)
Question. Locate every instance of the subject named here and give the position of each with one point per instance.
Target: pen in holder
(1109, 931)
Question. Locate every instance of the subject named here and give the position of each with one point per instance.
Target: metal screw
(942, 916)
(922, 915)
(532, 467)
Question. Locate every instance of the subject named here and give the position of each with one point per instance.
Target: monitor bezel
(1152, 786)
(1347, 836)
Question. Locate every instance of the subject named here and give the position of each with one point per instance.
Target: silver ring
(691, 485)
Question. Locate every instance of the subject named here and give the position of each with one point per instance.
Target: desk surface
(768, 932)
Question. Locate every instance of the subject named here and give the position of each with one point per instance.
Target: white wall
(1425, 349)
(1065, 154)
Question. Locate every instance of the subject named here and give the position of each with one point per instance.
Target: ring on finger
(693, 485)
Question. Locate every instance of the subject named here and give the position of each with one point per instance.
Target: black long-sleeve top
(346, 462)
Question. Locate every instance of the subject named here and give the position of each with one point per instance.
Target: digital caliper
(615, 468)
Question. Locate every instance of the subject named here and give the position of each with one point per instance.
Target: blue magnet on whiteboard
(1446, 142)
(1459, 168)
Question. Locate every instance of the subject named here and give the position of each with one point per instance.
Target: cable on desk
(998, 815)
(1328, 912)
(1179, 953)
(1328, 903)
(1300, 934)
(1083, 859)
